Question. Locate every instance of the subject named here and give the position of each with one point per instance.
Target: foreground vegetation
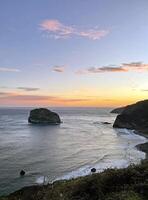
(112, 184)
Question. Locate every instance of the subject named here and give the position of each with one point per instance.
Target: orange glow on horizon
(70, 103)
(103, 98)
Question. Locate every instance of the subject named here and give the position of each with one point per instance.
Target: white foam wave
(42, 180)
(130, 155)
(86, 170)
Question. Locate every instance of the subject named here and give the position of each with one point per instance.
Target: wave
(131, 156)
(42, 180)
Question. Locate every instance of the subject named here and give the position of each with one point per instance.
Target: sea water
(69, 150)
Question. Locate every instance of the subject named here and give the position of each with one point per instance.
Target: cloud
(13, 97)
(73, 100)
(58, 30)
(94, 70)
(135, 66)
(144, 90)
(28, 89)
(106, 69)
(58, 69)
(123, 67)
(4, 94)
(93, 34)
(4, 69)
(31, 97)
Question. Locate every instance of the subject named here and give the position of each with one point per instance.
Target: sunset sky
(73, 52)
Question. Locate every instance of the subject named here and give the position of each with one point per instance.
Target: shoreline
(107, 185)
(144, 146)
(34, 188)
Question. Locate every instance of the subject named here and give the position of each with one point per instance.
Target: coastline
(125, 184)
(143, 147)
(31, 190)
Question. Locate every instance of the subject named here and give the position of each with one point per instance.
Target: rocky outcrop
(22, 173)
(93, 170)
(134, 116)
(43, 116)
(118, 110)
(106, 123)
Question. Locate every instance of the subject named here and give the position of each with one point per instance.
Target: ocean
(69, 150)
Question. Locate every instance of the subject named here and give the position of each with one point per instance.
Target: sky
(73, 52)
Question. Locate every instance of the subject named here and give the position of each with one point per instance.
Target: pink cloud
(58, 30)
(51, 25)
(7, 98)
(93, 34)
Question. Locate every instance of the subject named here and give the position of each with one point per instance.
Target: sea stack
(43, 116)
(134, 117)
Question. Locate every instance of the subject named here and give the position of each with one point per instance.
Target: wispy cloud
(123, 67)
(58, 30)
(5, 69)
(59, 69)
(106, 69)
(17, 96)
(135, 66)
(4, 94)
(94, 70)
(70, 100)
(8, 96)
(28, 89)
(144, 90)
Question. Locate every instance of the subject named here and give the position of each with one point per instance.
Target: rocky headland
(118, 110)
(134, 117)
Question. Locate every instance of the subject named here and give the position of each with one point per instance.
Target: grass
(112, 184)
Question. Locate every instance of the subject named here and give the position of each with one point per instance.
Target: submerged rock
(22, 173)
(93, 170)
(134, 116)
(43, 116)
(106, 123)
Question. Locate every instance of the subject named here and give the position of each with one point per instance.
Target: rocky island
(44, 116)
